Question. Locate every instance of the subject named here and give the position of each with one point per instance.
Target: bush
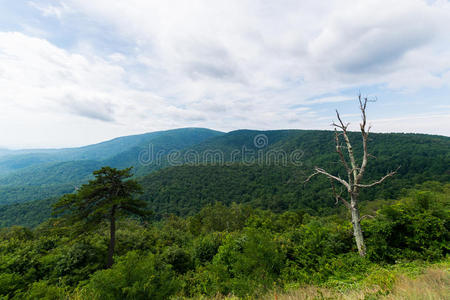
(415, 227)
(179, 258)
(249, 262)
(207, 247)
(10, 283)
(134, 277)
(42, 290)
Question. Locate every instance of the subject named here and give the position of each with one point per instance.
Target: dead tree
(355, 173)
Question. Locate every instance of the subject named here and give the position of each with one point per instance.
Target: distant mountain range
(36, 174)
(262, 168)
(117, 150)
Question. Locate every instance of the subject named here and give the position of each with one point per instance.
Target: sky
(77, 72)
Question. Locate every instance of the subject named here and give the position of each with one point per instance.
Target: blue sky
(76, 72)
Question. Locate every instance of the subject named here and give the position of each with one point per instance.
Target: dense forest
(45, 173)
(182, 187)
(229, 250)
(230, 225)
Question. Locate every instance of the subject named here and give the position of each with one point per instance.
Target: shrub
(248, 262)
(42, 290)
(134, 277)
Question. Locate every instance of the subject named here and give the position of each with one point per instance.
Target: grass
(414, 281)
(409, 281)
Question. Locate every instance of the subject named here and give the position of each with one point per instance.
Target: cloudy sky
(76, 72)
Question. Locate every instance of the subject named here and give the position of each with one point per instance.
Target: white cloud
(419, 123)
(371, 35)
(222, 64)
(49, 10)
(330, 99)
(42, 83)
(292, 49)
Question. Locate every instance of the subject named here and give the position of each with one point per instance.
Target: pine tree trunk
(112, 239)
(357, 232)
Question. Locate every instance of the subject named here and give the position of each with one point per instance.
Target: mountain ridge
(183, 187)
(44, 171)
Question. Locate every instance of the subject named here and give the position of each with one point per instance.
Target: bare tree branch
(352, 157)
(341, 155)
(310, 176)
(338, 196)
(339, 179)
(379, 181)
(342, 126)
(364, 134)
(366, 216)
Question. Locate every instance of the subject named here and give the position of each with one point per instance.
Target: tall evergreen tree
(104, 198)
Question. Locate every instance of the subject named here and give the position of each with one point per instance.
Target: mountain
(50, 171)
(150, 155)
(265, 169)
(4, 151)
(14, 160)
(28, 214)
(272, 177)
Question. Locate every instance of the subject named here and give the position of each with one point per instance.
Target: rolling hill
(270, 182)
(47, 172)
(14, 160)
(265, 169)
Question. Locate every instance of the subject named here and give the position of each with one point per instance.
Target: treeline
(224, 249)
(184, 190)
(28, 214)
(17, 195)
(420, 157)
(31, 175)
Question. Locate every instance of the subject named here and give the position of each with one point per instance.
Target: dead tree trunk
(354, 172)
(357, 231)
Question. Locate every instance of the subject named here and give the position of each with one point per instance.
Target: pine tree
(104, 198)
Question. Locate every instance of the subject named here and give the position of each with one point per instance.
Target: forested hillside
(14, 160)
(231, 215)
(236, 250)
(50, 172)
(280, 186)
(29, 214)
(342, 194)
(254, 176)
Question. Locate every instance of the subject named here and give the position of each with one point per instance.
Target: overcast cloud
(75, 72)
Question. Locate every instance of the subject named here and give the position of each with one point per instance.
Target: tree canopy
(106, 197)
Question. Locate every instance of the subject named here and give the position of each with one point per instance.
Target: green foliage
(248, 262)
(29, 214)
(219, 217)
(101, 198)
(179, 259)
(134, 277)
(74, 262)
(12, 198)
(27, 175)
(416, 227)
(52, 174)
(227, 250)
(9, 283)
(185, 190)
(206, 247)
(43, 290)
(106, 197)
(311, 246)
